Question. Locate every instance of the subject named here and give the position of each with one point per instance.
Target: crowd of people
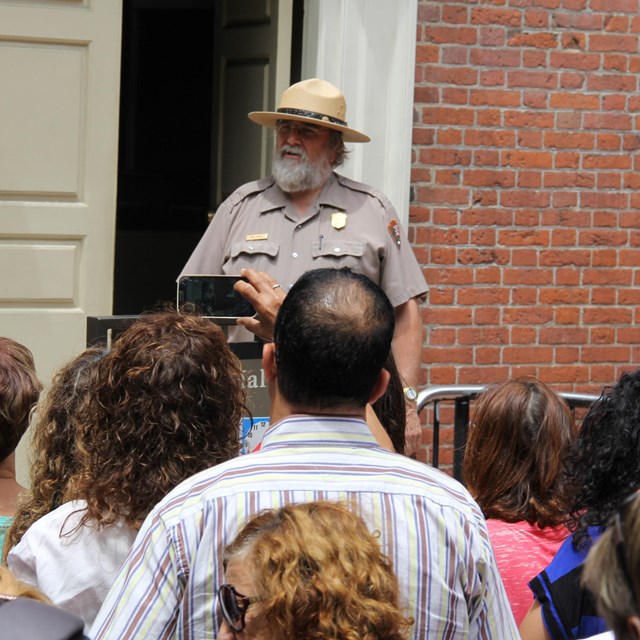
(143, 520)
(162, 404)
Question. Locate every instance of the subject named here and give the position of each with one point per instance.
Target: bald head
(332, 337)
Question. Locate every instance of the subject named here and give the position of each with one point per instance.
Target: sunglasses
(234, 606)
(621, 547)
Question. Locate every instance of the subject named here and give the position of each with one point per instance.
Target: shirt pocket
(252, 254)
(337, 253)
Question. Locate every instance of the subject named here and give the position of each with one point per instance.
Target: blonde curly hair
(13, 588)
(320, 574)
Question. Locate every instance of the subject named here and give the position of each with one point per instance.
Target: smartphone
(213, 297)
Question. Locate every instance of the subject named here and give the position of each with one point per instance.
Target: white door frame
(367, 48)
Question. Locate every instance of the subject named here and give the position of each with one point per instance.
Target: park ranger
(306, 216)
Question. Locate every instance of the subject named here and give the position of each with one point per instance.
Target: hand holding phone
(265, 295)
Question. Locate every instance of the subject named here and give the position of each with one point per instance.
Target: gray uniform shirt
(349, 225)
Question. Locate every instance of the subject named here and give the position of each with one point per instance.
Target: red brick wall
(524, 208)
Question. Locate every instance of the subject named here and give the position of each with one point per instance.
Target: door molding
(368, 50)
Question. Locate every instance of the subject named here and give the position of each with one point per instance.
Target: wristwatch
(410, 393)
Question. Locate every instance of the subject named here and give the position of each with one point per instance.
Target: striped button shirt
(429, 526)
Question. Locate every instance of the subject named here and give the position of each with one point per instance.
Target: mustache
(287, 148)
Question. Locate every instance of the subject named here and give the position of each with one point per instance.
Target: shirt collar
(332, 195)
(317, 430)
(273, 198)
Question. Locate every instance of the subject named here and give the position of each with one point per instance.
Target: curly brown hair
(514, 459)
(53, 442)
(19, 392)
(319, 574)
(167, 403)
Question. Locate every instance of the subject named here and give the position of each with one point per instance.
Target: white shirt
(74, 568)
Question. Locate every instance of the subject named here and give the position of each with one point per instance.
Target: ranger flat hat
(314, 101)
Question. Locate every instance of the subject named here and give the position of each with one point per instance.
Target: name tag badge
(338, 220)
(258, 236)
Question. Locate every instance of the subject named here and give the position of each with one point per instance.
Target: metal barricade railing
(461, 395)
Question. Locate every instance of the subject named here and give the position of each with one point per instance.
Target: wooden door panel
(251, 67)
(59, 72)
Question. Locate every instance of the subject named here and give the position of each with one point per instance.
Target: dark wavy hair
(167, 403)
(19, 392)
(53, 442)
(514, 459)
(604, 463)
(319, 573)
(390, 407)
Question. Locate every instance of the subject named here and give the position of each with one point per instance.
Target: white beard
(294, 176)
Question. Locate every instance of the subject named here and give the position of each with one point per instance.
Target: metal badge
(338, 220)
(257, 236)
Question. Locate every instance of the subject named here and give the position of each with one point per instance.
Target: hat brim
(270, 119)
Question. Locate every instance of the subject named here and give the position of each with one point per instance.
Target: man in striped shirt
(332, 336)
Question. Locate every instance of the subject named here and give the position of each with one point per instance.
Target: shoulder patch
(394, 231)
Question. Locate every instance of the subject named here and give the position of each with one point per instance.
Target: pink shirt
(522, 551)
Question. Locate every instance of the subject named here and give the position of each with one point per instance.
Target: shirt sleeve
(402, 277)
(22, 562)
(490, 614)
(568, 610)
(144, 601)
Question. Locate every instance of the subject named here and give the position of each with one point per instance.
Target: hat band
(312, 114)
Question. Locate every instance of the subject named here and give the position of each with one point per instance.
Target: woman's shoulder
(66, 515)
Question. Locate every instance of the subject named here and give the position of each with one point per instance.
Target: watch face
(410, 393)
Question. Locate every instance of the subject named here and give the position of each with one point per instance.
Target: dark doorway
(164, 168)
(169, 102)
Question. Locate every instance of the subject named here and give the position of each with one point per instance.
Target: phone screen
(213, 296)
